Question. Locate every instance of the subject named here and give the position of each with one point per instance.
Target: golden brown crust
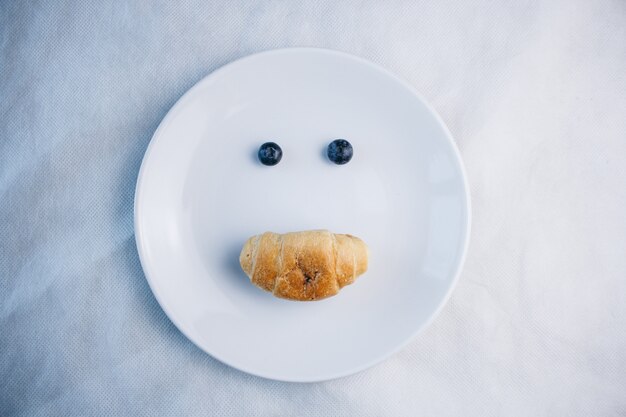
(303, 266)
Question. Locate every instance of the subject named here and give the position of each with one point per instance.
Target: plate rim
(140, 240)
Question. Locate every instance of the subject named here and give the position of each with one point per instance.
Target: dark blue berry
(270, 153)
(340, 151)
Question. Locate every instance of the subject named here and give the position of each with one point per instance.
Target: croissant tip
(245, 257)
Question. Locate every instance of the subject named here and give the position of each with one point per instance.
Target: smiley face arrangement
(203, 191)
(308, 265)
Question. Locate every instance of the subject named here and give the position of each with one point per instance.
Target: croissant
(303, 266)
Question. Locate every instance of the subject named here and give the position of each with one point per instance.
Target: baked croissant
(303, 266)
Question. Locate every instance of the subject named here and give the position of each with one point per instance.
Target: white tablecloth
(535, 95)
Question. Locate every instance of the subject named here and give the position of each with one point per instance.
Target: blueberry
(270, 153)
(340, 151)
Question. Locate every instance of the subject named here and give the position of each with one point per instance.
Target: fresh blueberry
(270, 153)
(340, 151)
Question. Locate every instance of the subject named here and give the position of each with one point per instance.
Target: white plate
(201, 193)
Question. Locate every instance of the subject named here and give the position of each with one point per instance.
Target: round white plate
(201, 193)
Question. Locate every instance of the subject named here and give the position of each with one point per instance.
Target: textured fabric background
(535, 95)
